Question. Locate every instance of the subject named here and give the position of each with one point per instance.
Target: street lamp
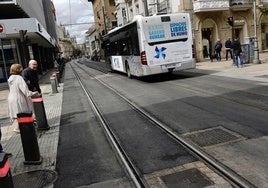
(256, 59)
(146, 8)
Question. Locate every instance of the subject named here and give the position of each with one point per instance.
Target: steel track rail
(130, 168)
(234, 178)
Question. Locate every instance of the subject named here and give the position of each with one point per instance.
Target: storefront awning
(36, 33)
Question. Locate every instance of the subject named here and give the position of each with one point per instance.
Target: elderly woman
(19, 98)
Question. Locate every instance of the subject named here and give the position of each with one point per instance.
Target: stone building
(104, 19)
(27, 31)
(209, 20)
(65, 44)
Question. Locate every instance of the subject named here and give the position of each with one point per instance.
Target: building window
(112, 2)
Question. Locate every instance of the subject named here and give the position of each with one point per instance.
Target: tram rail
(232, 177)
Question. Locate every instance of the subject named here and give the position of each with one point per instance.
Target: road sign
(2, 31)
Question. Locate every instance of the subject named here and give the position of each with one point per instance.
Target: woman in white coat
(19, 98)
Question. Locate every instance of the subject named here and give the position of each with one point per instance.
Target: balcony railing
(163, 7)
(157, 8)
(263, 5)
(264, 2)
(210, 5)
(240, 5)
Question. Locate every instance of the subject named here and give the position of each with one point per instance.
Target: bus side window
(112, 48)
(125, 49)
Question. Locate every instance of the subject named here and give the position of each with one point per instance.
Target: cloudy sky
(73, 12)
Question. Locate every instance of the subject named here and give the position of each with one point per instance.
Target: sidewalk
(47, 140)
(258, 72)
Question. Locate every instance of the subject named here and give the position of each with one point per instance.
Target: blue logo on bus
(160, 52)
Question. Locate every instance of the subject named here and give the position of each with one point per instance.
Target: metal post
(29, 139)
(4, 59)
(22, 40)
(256, 59)
(6, 176)
(53, 84)
(146, 11)
(233, 43)
(104, 19)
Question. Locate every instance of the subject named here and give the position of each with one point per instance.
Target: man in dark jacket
(218, 47)
(238, 59)
(30, 76)
(228, 48)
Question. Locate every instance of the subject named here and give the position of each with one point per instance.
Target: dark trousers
(218, 55)
(1, 148)
(231, 53)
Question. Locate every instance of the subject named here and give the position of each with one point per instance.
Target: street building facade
(92, 44)
(210, 19)
(66, 46)
(104, 19)
(213, 20)
(27, 31)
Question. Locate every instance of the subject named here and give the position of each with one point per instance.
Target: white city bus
(151, 45)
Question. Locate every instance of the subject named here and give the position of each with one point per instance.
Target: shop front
(22, 40)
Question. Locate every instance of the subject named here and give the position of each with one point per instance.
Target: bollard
(40, 113)
(58, 75)
(29, 139)
(53, 84)
(57, 83)
(5, 173)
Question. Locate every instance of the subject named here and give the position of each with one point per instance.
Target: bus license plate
(168, 66)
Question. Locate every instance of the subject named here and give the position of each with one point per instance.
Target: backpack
(217, 46)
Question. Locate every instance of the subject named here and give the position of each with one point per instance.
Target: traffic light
(231, 21)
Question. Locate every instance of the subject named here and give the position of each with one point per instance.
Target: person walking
(238, 59)
(30, 76)
(19, 97)
(228, 48)
(218, 47)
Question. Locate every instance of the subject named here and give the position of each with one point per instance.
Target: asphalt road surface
(226, 117)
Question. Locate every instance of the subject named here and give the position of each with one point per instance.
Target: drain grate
(212, 136)
(187, 178)
(35, 179)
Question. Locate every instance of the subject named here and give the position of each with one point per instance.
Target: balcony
(163, 7)
(210, 5)
(241, 5)
(264, 2)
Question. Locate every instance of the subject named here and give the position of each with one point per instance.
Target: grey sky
(74, 11)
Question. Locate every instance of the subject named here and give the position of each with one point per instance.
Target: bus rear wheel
(128, 72)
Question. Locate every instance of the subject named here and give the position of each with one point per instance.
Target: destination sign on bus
(178, 29)
(156, 32)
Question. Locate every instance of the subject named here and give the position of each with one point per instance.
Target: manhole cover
(186, 178)
(35, 179)
(212, 136)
